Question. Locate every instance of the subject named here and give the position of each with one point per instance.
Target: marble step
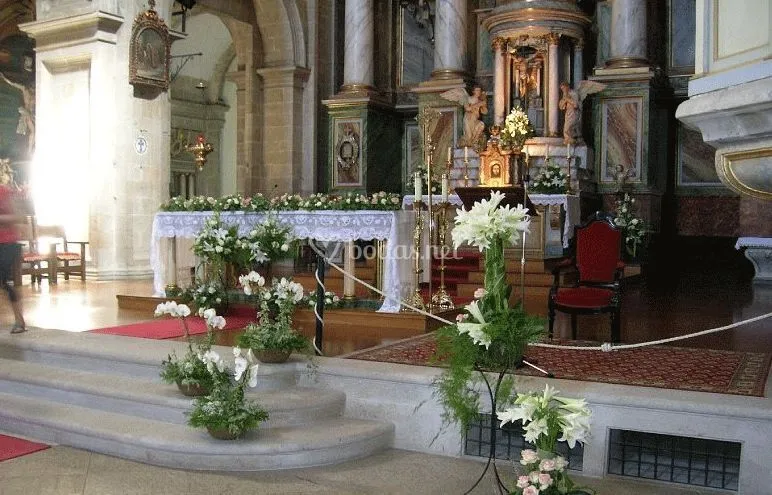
(327, 441)
(114, 355)
(154, 400)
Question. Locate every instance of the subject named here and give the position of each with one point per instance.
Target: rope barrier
(605, 347)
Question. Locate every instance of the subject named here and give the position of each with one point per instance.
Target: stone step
(148, 399)
(327, 441)
(115, 355)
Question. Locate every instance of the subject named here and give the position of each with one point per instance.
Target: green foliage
(189, 370)
(509, 331)
(226, 408)
(272, 336)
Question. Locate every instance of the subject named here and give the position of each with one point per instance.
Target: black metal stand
(321, 264)
(493, 394)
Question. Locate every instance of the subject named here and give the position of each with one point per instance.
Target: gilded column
(499, 82)
(627, 47)
(358, 49)
(578, 63)
(554, 84)
(449, 39)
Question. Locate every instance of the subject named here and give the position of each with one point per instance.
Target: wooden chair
(32, 262)
(597, 261)
(69, 262)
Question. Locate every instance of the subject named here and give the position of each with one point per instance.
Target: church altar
(569, 203)
(395, 227)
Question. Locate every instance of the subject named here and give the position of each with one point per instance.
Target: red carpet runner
(11, 447)
(702, 370)
(169, 328)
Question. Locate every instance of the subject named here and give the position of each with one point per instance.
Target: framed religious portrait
(149, 51)
(347, 154)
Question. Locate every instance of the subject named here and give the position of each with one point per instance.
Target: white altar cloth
(571, 206)
(407, 201)
(329, 225)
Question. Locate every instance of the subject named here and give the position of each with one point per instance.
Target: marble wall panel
(682, 35)
(622, 126)
(696, 160)
(484, 51)
(708, 216)
(417, 53)
(755, 217)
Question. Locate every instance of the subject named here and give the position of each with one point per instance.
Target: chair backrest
(598, 249)
(51, 234)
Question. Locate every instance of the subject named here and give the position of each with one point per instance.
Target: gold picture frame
(150, 50)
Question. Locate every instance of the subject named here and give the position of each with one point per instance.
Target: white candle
(417, 184)
(466, 152)
(445, 187)
(568, 153)
(547, 153)
(450, 154)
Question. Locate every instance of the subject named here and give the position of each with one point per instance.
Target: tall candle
(547, 153)
(445, 187)
(568, 154)
(450, 154)
(466, 152)
(417, 184)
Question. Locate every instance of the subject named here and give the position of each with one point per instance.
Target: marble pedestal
(758, 250)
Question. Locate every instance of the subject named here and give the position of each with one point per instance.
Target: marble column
(449, 39)
(578, 63)
(627, 47)
(358, 51)
(553, 83)
(349, 286)
(499, 90)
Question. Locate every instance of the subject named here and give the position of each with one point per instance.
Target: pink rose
(528, 456)
(545, 480)
(531, 490)
(479, 293)
(522, 481)
(547, 465)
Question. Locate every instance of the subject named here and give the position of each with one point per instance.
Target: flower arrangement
(517, 128)
(436, 186)
(286, 202)
(207, 295)
(273, 239)
(547, 419)
(216, 242)
(225, 412)
(273, 331)
(545, 476)
(489, 336)
(552, 180)
(331, 300)
(633, 228)
(193, 374)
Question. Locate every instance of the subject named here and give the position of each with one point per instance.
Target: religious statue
(474, 105)
(26, 125)
(571, 103)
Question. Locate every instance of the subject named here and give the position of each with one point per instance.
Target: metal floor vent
(510, 442)
(691, 461)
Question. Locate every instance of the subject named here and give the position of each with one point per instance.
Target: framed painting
(149, 51)
(347, 155)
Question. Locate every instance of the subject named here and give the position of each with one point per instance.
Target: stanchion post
(320, 268)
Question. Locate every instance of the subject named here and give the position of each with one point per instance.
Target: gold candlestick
(441, 299)
(200, 150)
(417, 300)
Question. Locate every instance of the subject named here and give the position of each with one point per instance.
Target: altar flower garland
(517, 128)
(286, 202)
(490, 336)
(552, 180)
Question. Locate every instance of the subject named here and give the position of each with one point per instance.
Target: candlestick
(441, 300)
(417, 300)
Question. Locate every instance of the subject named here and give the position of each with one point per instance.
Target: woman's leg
(9, 254)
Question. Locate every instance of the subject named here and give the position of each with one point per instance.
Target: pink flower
(528, 456)
(545, 480)
(547, 465)
(531, 490)
(522, 481)
(461, 317)
(480, 293)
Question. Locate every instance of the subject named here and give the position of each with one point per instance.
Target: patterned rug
(680, 368)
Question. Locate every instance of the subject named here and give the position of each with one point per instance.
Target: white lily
(475, 330)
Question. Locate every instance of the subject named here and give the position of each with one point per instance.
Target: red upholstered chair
(62, 258)
(596, 259)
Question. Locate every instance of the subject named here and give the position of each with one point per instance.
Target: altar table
(395, 227)
(570, 205)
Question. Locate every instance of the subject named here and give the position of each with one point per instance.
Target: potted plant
(208, 295)
(274, 240)
(272, 338)
(225, 412)
(191, 373)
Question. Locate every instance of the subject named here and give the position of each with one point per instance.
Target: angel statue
(474, 105)
(571, 103)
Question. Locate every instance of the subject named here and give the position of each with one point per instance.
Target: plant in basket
(192, 373)
(272, 338)
(206, 295)
(226, 413)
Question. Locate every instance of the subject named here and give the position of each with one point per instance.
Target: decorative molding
(73, 31)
